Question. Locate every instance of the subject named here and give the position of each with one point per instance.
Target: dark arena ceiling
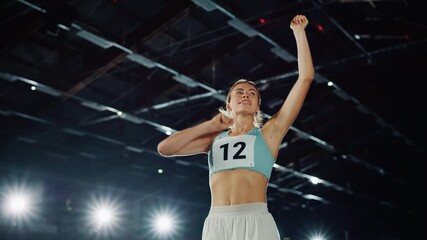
(89, 88)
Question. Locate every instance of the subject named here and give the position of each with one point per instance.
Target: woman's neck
(242, 125)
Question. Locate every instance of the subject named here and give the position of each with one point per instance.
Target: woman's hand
(221, 122)
(299, 22)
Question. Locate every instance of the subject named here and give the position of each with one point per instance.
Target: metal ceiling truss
(183, 79)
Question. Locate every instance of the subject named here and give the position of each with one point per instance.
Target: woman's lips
(245, 102)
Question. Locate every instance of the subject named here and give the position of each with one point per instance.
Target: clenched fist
(221, 122)
(299, 22)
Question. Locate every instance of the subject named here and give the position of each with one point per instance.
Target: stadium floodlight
(163, 222)
(20, 202)
(104, 215)
(317, 237)
(319, 234)
(315, 180)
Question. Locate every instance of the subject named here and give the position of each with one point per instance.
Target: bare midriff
(238, 186)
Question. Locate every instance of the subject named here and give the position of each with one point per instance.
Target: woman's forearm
(305, 62)
(187, 140)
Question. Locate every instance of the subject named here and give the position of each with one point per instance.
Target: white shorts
(250, 221)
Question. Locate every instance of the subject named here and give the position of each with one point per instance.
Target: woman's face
(244, 98)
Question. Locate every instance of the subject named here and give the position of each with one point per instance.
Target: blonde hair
(258, 116)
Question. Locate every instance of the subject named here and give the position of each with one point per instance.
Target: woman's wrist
(299, 32)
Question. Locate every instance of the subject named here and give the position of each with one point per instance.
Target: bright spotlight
(318, 235)
(104, 215)
(20, 202)
(315, 180)
(164, 224)
(317, 238)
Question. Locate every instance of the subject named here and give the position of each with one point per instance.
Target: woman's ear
(228, 107)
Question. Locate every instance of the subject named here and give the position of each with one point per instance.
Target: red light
(320, 28)
(262, 20)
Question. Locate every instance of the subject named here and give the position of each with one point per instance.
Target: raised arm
(194, 140)
(280, 123)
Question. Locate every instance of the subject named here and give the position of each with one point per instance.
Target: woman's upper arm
(291, 107)
(278, 125)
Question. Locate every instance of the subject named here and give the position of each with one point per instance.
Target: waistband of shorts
(257, 207)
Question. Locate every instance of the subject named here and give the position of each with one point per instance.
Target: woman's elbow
(309, 77)
(306, 77)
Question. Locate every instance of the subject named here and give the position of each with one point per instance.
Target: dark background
(91, 126)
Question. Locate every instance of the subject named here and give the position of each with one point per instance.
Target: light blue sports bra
(247, 151)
